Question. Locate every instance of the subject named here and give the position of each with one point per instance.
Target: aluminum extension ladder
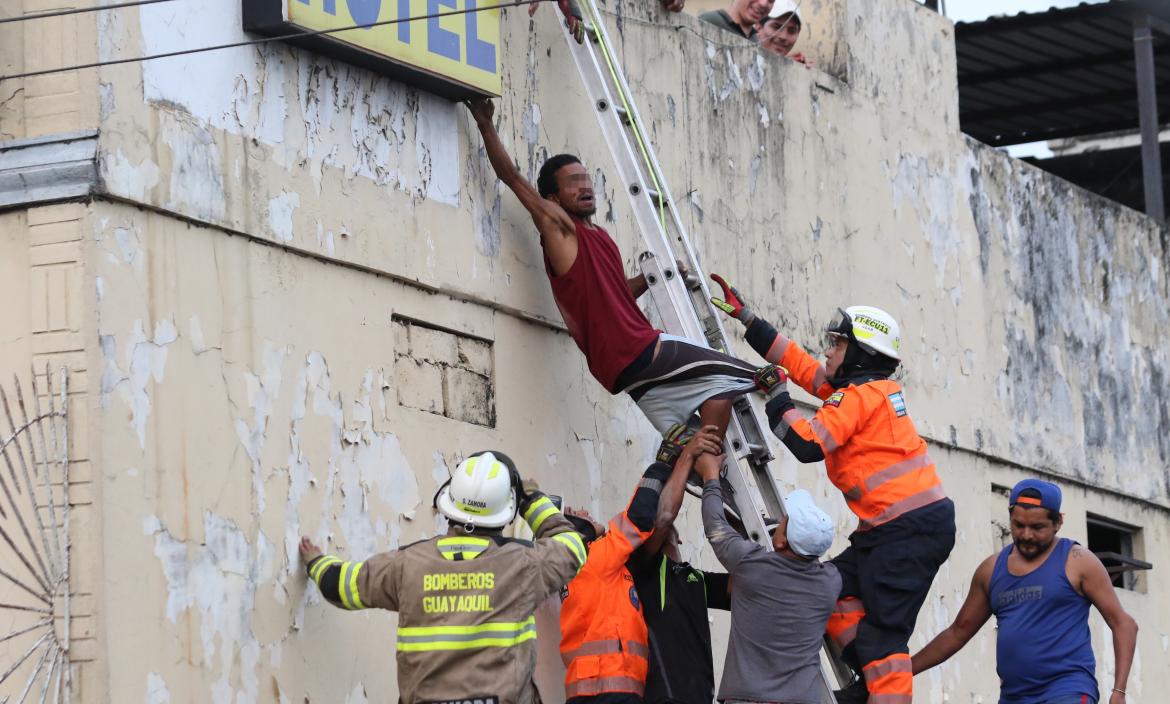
(684, 307)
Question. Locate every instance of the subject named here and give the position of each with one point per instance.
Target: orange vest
(873, 453)
(604, 644)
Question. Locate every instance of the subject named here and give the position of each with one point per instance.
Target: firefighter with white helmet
(465, 600)
(874, 455)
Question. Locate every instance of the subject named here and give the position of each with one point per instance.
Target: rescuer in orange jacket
(874, 455)
(604, 642)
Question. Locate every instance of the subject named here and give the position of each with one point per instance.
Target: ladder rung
(750, 491)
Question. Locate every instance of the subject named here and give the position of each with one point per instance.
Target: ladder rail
(683, 309)
(634, 178)
(660, 269)
(712, 328)
(656, 175)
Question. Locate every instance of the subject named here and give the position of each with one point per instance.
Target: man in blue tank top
(1039, 589)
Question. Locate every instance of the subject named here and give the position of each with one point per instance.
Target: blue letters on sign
(330, 5)
(439, 40)
(480, 54)
(404, 27)
(364, 12)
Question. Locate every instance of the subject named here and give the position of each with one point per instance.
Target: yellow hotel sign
(456, 56)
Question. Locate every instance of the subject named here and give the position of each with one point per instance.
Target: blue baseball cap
(1049, 495)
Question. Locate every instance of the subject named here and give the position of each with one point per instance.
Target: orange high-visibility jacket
(873, 453)
(604, 643)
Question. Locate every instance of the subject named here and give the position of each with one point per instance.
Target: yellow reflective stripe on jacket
(576, 544)
(320, 566)
(347, 586)
(499, 634)
(538, 512)
(462, 547)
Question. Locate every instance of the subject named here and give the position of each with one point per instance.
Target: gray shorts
(683, 376)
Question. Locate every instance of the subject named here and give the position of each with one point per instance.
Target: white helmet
(875, 330)
(481, 492)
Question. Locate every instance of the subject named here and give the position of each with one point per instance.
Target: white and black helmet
(874, 330)
(483, 491)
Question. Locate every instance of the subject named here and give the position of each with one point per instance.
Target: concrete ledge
(51, 168)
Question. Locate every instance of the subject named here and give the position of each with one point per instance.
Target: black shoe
(855, 693)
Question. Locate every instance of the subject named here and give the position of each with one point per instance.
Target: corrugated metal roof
(1061, 73)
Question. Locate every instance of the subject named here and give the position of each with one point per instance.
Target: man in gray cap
(780, 599)
(1040, 588)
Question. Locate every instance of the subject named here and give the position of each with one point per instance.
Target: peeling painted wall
(238, 295)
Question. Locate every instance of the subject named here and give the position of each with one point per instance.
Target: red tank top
(599, 311)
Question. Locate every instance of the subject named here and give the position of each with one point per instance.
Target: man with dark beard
(1039, 589)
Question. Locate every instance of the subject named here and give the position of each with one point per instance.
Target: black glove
(673, 440)
(770, 379)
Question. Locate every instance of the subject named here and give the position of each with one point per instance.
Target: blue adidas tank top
(1043, 647)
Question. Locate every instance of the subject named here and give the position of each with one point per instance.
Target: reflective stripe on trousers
(600, 685)
(842, 624)
(605, 647)
(424, 638)
(890, 680)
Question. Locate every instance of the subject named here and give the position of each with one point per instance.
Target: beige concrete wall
(288, 246)
(45, 324)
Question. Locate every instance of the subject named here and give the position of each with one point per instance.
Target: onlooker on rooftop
(740, 17)
(779, 32)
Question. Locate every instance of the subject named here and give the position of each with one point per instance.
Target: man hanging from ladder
(874, 455)
(465, 600)
(668, 377)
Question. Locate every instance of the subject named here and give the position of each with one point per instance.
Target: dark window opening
(1117, 545)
